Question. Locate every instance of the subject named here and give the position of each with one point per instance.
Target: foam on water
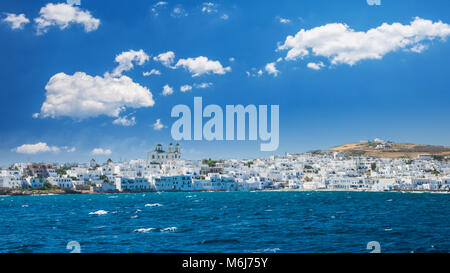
(143, 230)
(154, 205)
(169, 229)
(99, 212)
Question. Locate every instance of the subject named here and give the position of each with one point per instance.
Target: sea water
(226, 222)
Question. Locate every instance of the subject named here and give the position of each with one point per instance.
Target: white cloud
(166, 58)
(201, 65)
(271, 69)
(418, 48)
(167, 90)
(157, 126)
(125, 121)
(35, 115)
(126, 60)
(101, 151)
(81, 96)
(209, 7)
(203, 85)
(315, 66)
(224, 17)
(342, 45)
(152, 72)
(68, 149)
(284, 20)
(62, 15)
(16, 21)
(185, 88)
(179, 12)
(374, 2)
(260, 72)
(232, 59)
(40, 147)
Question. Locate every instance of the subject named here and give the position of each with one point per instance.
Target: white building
(173, 183)
(136, 184)
(10, 179)
(62, 182)
(161, 156)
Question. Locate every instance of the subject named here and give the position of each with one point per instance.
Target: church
(161, 156)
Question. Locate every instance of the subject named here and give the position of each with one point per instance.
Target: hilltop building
(161, 156)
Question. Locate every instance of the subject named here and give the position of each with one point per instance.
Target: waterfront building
(135, 184)
(173, 183)
(62, 182)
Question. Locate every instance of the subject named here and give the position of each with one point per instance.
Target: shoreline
(75, 192)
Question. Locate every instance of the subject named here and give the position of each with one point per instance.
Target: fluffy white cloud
(185, 88)
(125, 121)
(316, 66)
(342, 45)
(203, 85)
(101, 151)
(271, 69)
(224, 17)
(232, 59)
(166, 58)
(80, 96)
(152, 72)
(62, 15)
(126, 60)
(201, 65)
(157, 126)
(40, 147)
(16, 21)
(167, 90)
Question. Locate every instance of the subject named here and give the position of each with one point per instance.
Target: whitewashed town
(165, 170)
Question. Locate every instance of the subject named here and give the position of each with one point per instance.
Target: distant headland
(379, 148)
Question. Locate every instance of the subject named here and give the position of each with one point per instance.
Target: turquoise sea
(226, 222)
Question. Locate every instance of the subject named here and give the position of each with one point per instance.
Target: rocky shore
(26, 192)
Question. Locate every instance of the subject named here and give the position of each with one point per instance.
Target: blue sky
(402, 95)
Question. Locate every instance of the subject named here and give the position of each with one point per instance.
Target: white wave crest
(154, 205)
(99, 212)
(143, 230)
(169, 229)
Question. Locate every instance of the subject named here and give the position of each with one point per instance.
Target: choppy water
(226, 222)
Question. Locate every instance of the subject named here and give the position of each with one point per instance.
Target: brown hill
(392, 150)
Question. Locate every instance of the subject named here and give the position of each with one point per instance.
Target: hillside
(391, 150)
